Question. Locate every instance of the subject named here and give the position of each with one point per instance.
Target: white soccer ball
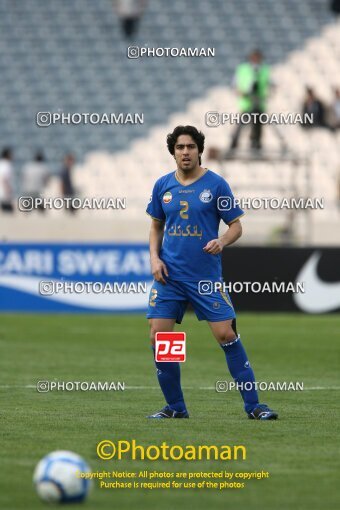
(57, 478)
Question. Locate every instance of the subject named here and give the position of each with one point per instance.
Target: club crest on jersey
(206, 196)
(167, 197)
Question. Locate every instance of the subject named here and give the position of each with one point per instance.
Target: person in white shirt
(34, 176)
(130, 12)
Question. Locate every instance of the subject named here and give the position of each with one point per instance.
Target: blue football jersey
(192, 214)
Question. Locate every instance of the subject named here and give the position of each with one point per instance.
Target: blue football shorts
(170, 301)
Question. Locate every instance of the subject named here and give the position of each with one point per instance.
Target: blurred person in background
(252, 83)
(335, 6)
(335, 110)
(129, 12)
(67, 187)
(313, 105)
(6, 180)
(34, 177)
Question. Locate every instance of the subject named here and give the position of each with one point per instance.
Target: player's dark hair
(196, 135)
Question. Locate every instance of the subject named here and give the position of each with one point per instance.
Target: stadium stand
(67, 56)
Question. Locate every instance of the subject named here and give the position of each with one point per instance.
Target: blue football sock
(169, 378)
(241, 372)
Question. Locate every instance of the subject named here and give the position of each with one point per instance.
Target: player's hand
(158, 268)
(213, 247)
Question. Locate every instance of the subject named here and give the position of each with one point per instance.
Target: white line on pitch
(204, 388)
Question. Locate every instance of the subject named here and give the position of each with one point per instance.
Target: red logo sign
(170, 347)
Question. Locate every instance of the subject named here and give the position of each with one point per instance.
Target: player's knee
(227, 335)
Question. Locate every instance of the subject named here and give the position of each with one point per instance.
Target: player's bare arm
(233, 233)
(158, 268)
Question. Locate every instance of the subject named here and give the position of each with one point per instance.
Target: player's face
(186, 153)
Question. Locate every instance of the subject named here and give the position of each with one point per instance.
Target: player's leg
(237, 360)
(239, 367)
(217, 309)
(166, 307)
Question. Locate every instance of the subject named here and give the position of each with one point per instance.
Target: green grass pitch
(300, 450)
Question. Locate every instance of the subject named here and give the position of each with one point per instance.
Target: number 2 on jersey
(183, 212)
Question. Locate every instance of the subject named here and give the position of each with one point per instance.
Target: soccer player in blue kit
(184, 250)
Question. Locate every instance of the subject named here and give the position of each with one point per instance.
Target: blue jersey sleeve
(154, 208)
(228, 210)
